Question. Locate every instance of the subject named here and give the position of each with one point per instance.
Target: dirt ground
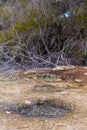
(63, 86)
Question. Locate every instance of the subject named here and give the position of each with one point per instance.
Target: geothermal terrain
(44, 99)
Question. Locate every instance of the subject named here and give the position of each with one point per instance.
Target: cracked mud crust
(41, 90)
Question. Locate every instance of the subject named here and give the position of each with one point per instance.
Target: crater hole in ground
(41, 109)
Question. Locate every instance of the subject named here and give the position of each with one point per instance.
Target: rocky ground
(44, 99)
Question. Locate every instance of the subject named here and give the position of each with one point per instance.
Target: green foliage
(8, 36)
(81, 14)
(2, 37)
(35, 20)
(77, 52)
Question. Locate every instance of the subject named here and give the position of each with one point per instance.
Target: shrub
(37, 35)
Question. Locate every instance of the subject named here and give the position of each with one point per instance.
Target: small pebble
(78, 80)
(58, 79)
(7, 112)
(63, 67)
(27, 102)
(29, 71)
(14, 119)
(75, 116)
(46, 121)
(85, 73)
(58, 68)
(85, 67)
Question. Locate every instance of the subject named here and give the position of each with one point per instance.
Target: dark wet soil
(37, 109)
(45, 109)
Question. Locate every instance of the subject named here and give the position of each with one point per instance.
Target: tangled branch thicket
(36, 33)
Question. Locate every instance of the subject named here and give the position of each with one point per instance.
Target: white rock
(46, 121)
(58, 80)
(29, 71)
(63, 67)
(27, 102)
(7, 112)
(78, 80)
(85, 67)
(58, 68)
(85, 73)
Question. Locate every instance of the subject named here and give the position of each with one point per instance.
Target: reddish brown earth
(75, 73)
(66, 87)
